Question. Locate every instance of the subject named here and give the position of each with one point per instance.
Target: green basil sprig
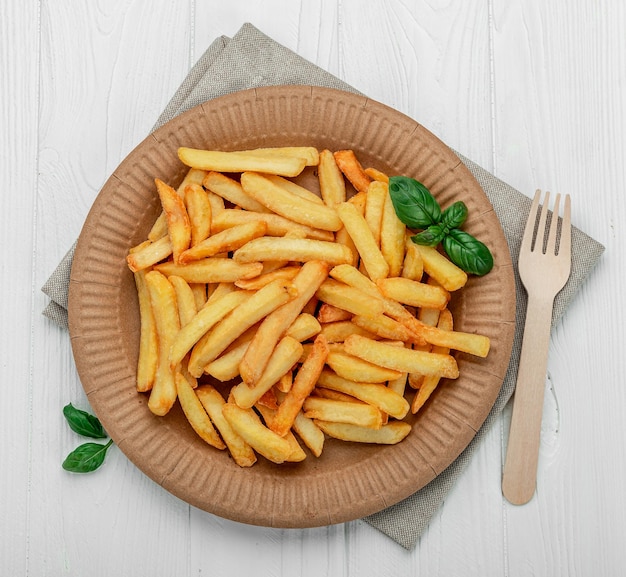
(88, 456)
(417, 208)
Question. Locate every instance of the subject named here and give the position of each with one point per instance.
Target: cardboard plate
(348, 481)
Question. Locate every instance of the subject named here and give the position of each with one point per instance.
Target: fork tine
(551, 244)
(541, 229)
(529, 230)
(565, 245)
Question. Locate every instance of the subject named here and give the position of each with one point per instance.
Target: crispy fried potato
(389, 434)
(349, 298)
(392, 237)
(148, 356)
(178, 225)
(199, 211)
(332, 184)
(361, 414)
(350, 166)
(297, 249)
(149, 253)
(377, 192)
(414, 293)
(310, 433)
(358, 369)
(232, 191)
(211, 270)
(443, 270)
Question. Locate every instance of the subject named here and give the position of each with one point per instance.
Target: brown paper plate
(348, 481)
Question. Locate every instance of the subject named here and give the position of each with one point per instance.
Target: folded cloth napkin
(250, 59)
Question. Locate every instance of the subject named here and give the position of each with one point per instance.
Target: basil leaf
(86, 458)
(432, 236)
(467, 252)
(414, 204)
(454, 216)
(83, 423)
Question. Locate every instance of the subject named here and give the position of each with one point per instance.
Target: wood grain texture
(531, 90)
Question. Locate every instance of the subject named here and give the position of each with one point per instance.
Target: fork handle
(520, 468)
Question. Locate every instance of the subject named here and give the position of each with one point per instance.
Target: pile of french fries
(278, 315)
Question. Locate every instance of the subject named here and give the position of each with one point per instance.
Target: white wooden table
(530, 89)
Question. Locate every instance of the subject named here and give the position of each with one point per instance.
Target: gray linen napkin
(250, 59)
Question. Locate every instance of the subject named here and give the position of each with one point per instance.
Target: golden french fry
(389, 434)
(339, 331)
(414, 293)
(285, 273)
(213, 402)
(163, 301)
(224, 241)
(241, 161)
(302, 386)
(401, 359)
(294, 188)
(350, 166)
(199, 293)
(159, 229)
(276, 225)
(148, 355)
(471, 343)
(361, 414)
(377, 192)
(196, 414)
(284, 383)
(349, 298)
(332, 184)
(443, 270)
(310, 433)
(376, 174)
(289, 205)
(309, 153)
(385, 328)
(284, 357)
(231, 190)
(308, 280)
(211, 270)
(207, 317)
(247, 424)
(330, 314)
(358, 369)
(413, 265)
(297, 454)
(259, 305)
(363, 239)
(149, 254)
(296, 249)
(199, 211)
(178, 225)
(392, 237)
(386, 399)
(185, 299)
(304, 327)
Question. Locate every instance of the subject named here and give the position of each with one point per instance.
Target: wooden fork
(544, 267)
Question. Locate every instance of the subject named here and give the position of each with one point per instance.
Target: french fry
(302, 386)
(349, 298)
(309, 153)
(149, 254)
(358, 369)
(350, 166)
(389, 434)
(178, 225)
(294, 188)
(414, 293)
(284, 357)
(392, 237)
(159, 228)
(148, 357)
(374, 206)
(289, 205)
(401, 359)
(311, 435)
(332, 184)
(443, 270)
(296, 249)
(247, 424)
(199, 293)
(304, 327)
(471, 343)
(185, 299)
(241, 161)
(213, 402)
(309, 279)
(259, 305)
(413, 265)
(211, 270)
(339, 331)
(285, 273)
(376, 174)
(331, 314)
(385, 328)
(385, 399)
(163, 301)
(196, 414)
(199, 211)
(276, 224)
(231, 190)
(361, 414)
(363, 239)
(224, 241)
(296, 454)
(207, 317)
